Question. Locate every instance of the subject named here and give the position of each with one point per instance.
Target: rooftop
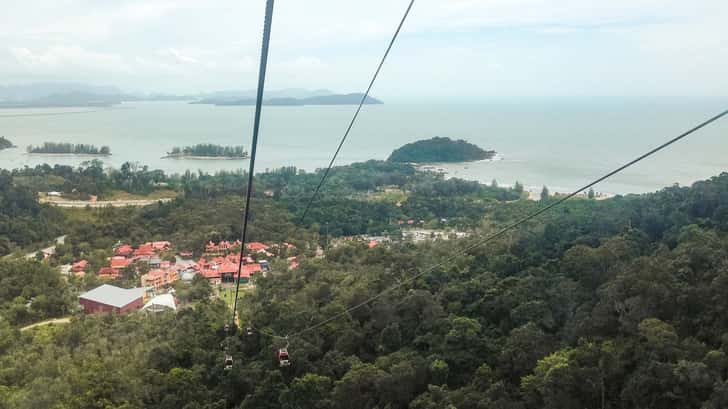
(160, 303)
(112, 295)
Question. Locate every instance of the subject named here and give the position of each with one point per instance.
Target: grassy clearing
(389, 196)
(157, 194)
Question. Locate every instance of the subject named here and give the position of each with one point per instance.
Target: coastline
(69, 154)
(205, 157)
(533, 192)
(438, 166)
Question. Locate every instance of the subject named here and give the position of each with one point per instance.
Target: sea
(561, 143)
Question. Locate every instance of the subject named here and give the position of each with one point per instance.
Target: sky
(466, 49)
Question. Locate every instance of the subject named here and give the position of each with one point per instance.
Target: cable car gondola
(283, 358)
(228, 362)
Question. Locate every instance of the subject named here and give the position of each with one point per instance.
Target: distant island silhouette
(334, 99)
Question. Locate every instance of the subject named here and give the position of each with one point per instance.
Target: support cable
(256, 127)
(356, 113)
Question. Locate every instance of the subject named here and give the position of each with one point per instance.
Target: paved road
(64, 320)
(112, 203)
(47, 250)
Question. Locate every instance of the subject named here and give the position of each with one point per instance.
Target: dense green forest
(209, 150)
(5, 143)
(439, 149)
(23, 221)
(613, 303)
(69, 148)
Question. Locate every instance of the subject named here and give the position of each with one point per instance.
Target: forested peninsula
(439, 150)
(69, 149)
(207, 151)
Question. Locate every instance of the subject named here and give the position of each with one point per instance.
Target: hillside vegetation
(617, 303)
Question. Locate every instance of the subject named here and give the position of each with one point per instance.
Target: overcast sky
(449, 48)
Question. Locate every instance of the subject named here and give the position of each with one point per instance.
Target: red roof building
(108, 273)
(161, 245)
(257, 247)
(124, 250)
(144, 250)
(250, 269)
(159, 278)
(119, 262)
(108, 298)
(79, 266)
(222, 247)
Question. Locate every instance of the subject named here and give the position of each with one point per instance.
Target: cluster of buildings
(219, 264)
(125, 255)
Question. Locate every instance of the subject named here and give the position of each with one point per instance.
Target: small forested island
(207, 151)
(69, 149)
(438, 150)
(5, 143)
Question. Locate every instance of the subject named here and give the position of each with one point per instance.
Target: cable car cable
(510, 226)
(356, 114)
(256, 128)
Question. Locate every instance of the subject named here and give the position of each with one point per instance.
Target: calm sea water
(560, 143)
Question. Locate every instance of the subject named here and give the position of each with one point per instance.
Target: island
(69, 149)
(207, 151)
(5, 143)
(333, 99)
(440, 150)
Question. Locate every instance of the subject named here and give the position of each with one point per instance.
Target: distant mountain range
(83, 95)
(333, 99)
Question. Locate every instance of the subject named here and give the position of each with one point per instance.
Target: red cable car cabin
(283, 359)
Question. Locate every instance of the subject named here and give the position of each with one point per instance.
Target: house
(119, 263)
(79, 266)
(161, 245)
(222, 247)
(211, 274)
(108, 298)
(124, 250)
(257, 247)
(247, 271)
(159, 278)
(109, 273)
(160, 303)
(144, 250)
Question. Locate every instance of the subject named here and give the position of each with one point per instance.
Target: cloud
(68, 57)
(178, 56)
(523, 46)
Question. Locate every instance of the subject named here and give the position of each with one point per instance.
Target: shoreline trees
(208, 150)
(69, 149)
